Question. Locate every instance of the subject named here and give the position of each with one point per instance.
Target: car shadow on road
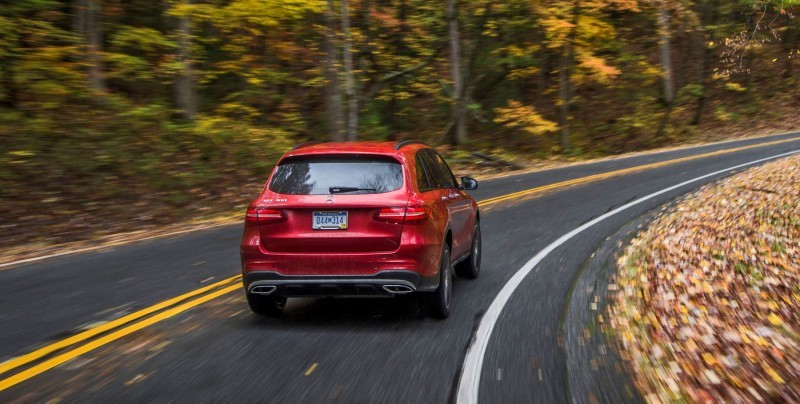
(346, 312)
(351, 313)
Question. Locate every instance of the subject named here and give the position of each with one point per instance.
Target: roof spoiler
(305, 144)
(399, 145)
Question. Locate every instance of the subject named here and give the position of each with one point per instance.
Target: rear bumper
(384, 283)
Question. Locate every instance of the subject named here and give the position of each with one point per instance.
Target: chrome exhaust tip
(263, 290)
(398, 289)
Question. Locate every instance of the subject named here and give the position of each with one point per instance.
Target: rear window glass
(320, 175)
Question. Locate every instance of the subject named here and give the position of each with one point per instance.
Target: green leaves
(142, 40)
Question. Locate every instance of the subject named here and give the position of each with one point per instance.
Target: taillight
(391, 215)
(416, 214)
(407, 215)
(264, 215)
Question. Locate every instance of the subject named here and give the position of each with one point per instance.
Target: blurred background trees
(175, 103)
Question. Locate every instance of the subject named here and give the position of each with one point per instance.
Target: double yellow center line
(616, 173)
(124, 325)
(55, 354)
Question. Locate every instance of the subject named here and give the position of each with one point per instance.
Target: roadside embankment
(707, 298)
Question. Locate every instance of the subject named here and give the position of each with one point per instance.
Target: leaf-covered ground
(707, 300)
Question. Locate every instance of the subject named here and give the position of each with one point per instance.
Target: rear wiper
(339, 190)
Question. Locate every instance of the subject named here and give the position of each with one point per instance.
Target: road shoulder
(596, 372)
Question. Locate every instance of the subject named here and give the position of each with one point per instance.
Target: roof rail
(305, 144)
(399, 145)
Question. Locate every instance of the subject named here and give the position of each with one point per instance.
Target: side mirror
(469, 184)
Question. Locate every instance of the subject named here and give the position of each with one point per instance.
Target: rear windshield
(322, 175)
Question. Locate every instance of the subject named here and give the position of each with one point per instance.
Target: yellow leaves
(627, 336)
(735, 87)
(624, 5)
(775, 320)
(269, 13)
(653, 320)
(774, 375)
(233, 109)
(526, 72)
(598, 66)
(723, 287)
(709, 359)
(707, 288)
(737, 381)
(250, 15)
(557, 30)
(745, 338)
(255, 81)
(524, 118)
(518, 51)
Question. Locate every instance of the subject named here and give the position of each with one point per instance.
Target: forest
(120, 114)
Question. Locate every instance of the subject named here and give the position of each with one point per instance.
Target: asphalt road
(349, 350)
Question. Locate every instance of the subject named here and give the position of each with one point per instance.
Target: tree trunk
(94, 46)
(185, 91)
(543, 80)
(711, 14)
(706, 83)
(350, 84)
(400, 49)
(789, 45)
(458, 116)
(334, 110)
(79, 17)
(565, 79)
(666, 54)
(9, 94)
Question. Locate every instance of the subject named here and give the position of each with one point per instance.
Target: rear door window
(423, 183)
(323, 175)
(448, 179)
(437, 170)
(432, 169)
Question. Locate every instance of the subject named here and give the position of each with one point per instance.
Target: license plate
(329, 221)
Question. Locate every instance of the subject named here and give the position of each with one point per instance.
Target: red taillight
(416, 214)
(391, 215)
(264, 216)
(408, 215)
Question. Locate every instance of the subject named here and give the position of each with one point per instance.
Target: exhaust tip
(263, 290)
(398, 289)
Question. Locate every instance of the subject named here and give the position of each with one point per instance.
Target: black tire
(438, 302)
(269, 306)
(471, 266)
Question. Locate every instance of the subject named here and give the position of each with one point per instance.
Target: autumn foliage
(708, 301)
(122, 114)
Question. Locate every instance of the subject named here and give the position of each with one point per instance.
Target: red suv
(360, 219)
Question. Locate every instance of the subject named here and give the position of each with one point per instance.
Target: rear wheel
(438, 301)
(266, 305)
(471, 266)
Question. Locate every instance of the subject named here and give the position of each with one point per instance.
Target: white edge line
(469, 383)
